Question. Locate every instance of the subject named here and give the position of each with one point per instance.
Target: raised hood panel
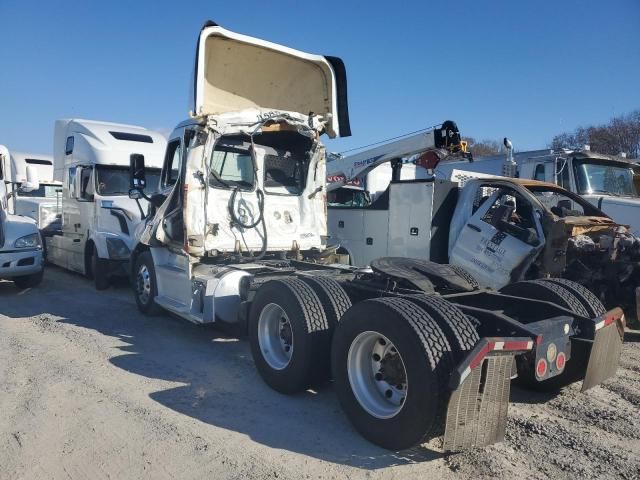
(234, 72)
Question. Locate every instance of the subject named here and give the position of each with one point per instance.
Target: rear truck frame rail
(336, 312)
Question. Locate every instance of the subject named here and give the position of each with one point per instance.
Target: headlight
(28, 241)
(117, 249)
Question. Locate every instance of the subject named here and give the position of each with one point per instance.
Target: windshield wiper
(217, 178)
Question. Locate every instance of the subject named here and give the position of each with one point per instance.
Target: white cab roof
(105, 143)
(234, 72)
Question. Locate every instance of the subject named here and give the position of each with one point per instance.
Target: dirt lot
(89, 388)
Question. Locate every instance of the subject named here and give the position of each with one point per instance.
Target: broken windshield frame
(564, 203)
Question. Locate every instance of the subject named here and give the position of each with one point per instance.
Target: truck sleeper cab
(237, 233)
(98, 217)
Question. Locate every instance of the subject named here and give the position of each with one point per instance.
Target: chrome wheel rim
(143, 284)
(275, 336)
(377, 375)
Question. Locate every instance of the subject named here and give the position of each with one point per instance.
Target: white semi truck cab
(98, 217)
(42, 204)
(237, 235)
(21, 257)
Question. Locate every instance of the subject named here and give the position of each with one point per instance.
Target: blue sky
(524, 69)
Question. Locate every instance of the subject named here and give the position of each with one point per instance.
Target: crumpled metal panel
(477, 411)
(605, 356)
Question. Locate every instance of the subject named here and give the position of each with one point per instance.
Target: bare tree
(620, 135)
(483, 147)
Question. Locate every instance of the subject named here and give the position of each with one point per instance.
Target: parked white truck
(20, 243)
(608, 182)
(42, 204)
(237, 236)
(98, 217)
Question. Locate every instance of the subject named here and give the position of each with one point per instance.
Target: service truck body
(98, 217)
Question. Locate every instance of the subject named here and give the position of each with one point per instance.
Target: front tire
(391, 363)
(144, 284)
(99, 270)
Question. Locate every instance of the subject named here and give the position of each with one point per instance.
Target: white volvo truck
(609, 182)
(98, 217)
(42, 204)
(237, 236)
(20, 243)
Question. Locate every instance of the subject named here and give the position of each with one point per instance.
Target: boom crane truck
(237, 235)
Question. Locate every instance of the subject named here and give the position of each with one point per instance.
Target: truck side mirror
(32, 182)
(137, 172)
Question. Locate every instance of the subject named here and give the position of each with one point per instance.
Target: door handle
(474, 227)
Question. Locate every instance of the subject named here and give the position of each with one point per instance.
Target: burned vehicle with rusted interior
(507, 230)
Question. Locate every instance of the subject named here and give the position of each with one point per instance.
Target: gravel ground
(89, 388)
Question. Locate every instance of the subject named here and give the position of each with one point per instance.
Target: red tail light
(561, 361)
(541, 368)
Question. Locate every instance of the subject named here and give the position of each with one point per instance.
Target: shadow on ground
(221, 386)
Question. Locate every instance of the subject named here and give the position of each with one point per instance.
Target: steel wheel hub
(377, 374)
(275, 336)
(143, 284)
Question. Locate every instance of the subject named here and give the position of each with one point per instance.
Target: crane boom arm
(444, 140)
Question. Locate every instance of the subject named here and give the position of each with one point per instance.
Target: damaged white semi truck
(237, 235)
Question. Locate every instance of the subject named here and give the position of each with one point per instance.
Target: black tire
(309, 329)
(333, 297)
(460, 332)
(590, 301)
(99, 270)
(426, 356)
(146, 303)
(556, 293)
(547, 291)
(335, 302)
(29, 281)
(466, 275)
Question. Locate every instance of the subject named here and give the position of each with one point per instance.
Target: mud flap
(477, 410)
(605, 354)
(481, 384)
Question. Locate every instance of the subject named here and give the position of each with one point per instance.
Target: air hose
(232, 210)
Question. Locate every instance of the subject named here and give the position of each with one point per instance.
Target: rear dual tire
(573, 297)
(401, 402)
(290, 325)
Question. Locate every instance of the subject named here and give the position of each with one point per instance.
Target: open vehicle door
(500, 239)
